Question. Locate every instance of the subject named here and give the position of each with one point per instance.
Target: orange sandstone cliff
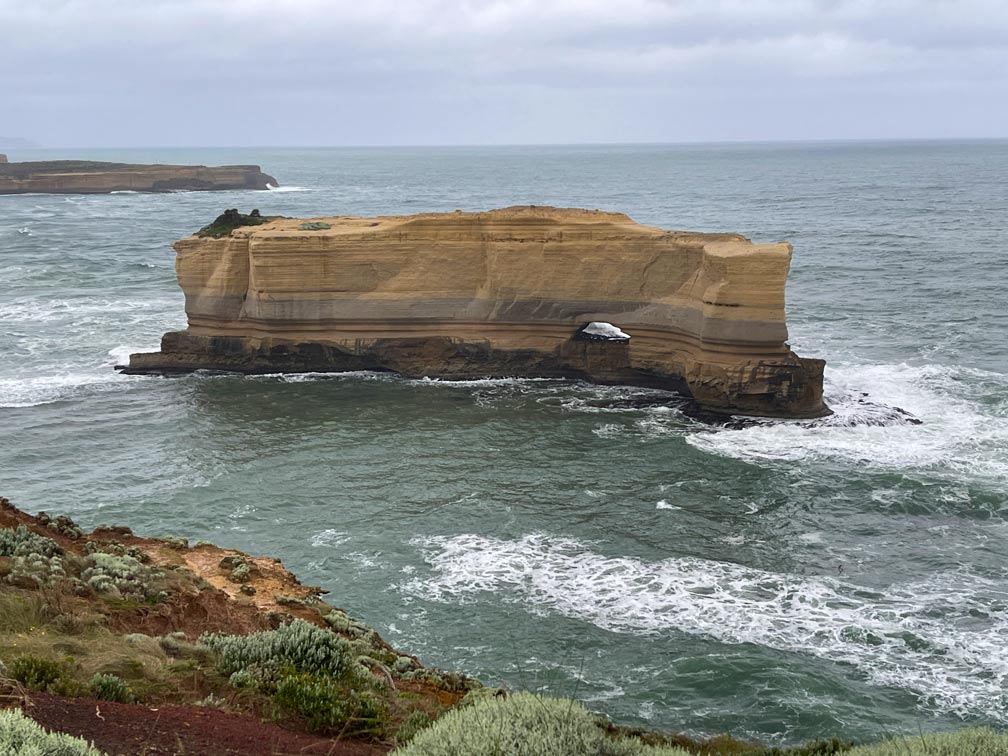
(502, 293)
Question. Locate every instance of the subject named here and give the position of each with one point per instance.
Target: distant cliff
(88, 177)
(524, 291)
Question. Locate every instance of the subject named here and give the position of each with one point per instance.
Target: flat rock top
(38, 167)
(520, 220)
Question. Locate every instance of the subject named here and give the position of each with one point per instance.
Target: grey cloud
(196, 72)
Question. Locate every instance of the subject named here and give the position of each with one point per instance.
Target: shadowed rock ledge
(522, 291)
(89, 177)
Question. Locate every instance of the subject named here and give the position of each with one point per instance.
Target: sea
(780, 581)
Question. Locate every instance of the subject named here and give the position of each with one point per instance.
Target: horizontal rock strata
(500, 293)
(88, 177)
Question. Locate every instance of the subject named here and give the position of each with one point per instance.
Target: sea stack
(89, 177)
(522, 291)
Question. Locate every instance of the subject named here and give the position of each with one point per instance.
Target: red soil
(180, 730)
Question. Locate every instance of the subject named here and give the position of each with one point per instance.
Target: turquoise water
(783, 581)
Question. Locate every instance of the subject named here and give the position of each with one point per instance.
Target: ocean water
(783, 581)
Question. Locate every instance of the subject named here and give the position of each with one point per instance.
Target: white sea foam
(120, 355)
(959, 436)
(50, 384)
(34, 390)
(329, 537)
(942, 638)
(608, 430)
(481, 382)
(284, 189)
(35, 310)
(364, 375)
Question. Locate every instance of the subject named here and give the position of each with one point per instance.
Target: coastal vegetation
(229, 220)
(111, 622)
(21, 735)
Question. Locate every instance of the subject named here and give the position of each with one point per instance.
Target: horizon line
(447, 145)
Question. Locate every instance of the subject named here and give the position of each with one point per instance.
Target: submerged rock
(502, 293)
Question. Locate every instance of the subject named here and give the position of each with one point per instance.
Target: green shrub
(116, 548)
(61, 524)
(39, 673)
(414, 723)
(36, 567)
(122, 575)
(240, 574)
(25, 737)
(971, 742)
(22, 542)
(314, 226)
(330, 706)
(110, 688)
(523, 724)
(448, 681)
(228, 221)
(298, 646)
(830, 747)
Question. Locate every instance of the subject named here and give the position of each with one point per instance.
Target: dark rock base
(788, 389)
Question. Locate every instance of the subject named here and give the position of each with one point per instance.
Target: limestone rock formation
(3, 158)
(88, 177)
(500, 293)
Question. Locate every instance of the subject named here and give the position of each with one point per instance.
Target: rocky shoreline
(93, 177)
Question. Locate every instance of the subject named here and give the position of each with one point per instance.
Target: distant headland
(90, 177)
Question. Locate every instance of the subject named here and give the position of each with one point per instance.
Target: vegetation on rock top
(229, 220)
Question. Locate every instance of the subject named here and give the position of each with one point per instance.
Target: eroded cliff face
(88, 177)
(500, 293)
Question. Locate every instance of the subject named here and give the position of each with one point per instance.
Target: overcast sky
(315, 72)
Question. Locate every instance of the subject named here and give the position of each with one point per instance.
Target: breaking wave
(45, 389)
(963, 429)
(941, 638)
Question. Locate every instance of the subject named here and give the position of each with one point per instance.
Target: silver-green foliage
(298, 646)
(972, 742)
(125, 575)
(523, 724)
(44, 570)
(22, 542)
(119, 549)
(24, 737)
